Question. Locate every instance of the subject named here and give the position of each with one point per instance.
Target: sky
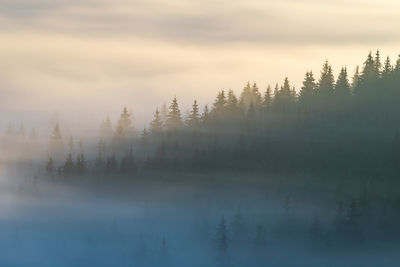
(82, 60)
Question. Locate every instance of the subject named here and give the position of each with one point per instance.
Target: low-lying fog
(165, 221)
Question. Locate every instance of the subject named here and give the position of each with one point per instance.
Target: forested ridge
(340, 125)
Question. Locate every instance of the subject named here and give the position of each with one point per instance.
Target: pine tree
(100, 154)
(378, 64)
(69, 165)
(219, 105)
(206, 115)
(194, 117)
(56, 146)
(124, 128)
(232, 107)
(356, 79)
(145, 136)
(174, 120)
(387, 69)
(156, 124)
(80, 164)
(326, 83)
(111, 164)
(71, 148)
(128, 161)
(106, 130)
(267, 101)
(307, 90)
(342, 88)
(238, 226)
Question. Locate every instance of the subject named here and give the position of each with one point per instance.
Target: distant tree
(206, 115)
(71, 147)
(106, 130)
(128, 161)
(307, 90)
(232, 105)
(156, 124)
(284, 97)
(325, 88)
(174, 120)
(164, 113)
(145, 136)
(342, 88)
(124, 128)
(163, 255)
(80, 164)
(378, 64)
(100, 154)
(50, 165)
(238, 226)
(56, 146)
(69, 165)
(219, 105)
(194, 117)
(111, 164)
(356, 79)
(387, 69)
(222, 237)
(268, 99)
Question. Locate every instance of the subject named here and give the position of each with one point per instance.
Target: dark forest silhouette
(328, 126)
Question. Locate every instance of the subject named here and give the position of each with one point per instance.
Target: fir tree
(174, 120)
(342, 88)
(267, 101)
(156, 124)
(69, 165)
(219, 105)
(56, 146)
(307, 90)
(194, 116)
(326, 83)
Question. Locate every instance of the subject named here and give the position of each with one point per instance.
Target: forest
(311, 171)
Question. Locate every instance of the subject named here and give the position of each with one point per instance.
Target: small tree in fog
(222, 237)
(80, 164)
(111, 164)
(69, 165)
(50, 166)
(238, 226)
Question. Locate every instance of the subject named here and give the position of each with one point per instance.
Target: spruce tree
(342, 88)
(174, 120)
(232, 107)
(194, 117)
(307, 90)
(56, 146)
(156, 124)
(326, 83)
(267, 101)
(219, 105)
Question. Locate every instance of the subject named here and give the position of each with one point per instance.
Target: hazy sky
(86, 59)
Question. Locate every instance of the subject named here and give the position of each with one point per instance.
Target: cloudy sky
(86, 59)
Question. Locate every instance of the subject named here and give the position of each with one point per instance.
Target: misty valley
(285, 177)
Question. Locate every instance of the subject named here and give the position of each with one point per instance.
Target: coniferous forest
(273, 176)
